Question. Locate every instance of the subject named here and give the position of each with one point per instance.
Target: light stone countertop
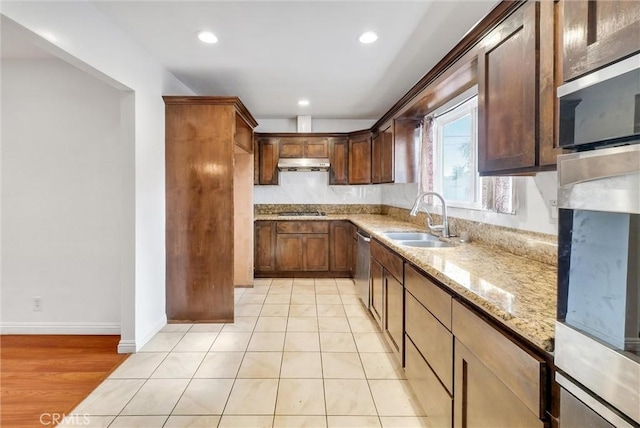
(518, 292)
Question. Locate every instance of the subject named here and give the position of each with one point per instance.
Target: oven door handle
(600, 164)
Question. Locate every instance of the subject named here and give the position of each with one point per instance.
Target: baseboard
(139, 344)
(127, 347)
(60, 328)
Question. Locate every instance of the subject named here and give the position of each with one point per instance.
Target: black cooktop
(302, 213)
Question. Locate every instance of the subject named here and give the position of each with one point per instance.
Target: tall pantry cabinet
(209, 205)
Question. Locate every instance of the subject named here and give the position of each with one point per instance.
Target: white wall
(313, 188)
(87, 39)
(63, 198)
(533, 213)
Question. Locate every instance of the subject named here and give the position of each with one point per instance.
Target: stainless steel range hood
(303, 164)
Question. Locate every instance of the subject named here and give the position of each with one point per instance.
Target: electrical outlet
(553, 209)
(37, 304)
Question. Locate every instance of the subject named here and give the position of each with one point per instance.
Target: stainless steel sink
(427, 244)
(410, 236)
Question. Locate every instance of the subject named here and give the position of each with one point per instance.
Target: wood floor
(48, 375)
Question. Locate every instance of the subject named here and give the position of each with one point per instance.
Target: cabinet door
(265, 245)
(597, 33)
(482, 400)
(360, 159)
(376, 290)
(256, 162)
(291, 148)
(386, 156)
(394, 313)
(376, 159)
(315, 252)
(507, 93)
(316, 148)
(289, 249)
(268, 161)
(340, 243)
(339, 158)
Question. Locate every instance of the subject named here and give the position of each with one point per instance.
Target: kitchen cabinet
(597, 33)
(265, 245)
(339, 159)
(389, 283)
(341, 246)
(206, 238)
(406, 150)
(360, 157)
(429, 346)
(303, 248)
(516, 93)
(496, 382)
(382, 157)
(268, 160)
(303, 147)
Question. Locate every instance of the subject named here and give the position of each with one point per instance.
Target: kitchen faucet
(420, 204)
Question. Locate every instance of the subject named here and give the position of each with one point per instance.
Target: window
(455, 160)
(450, 164)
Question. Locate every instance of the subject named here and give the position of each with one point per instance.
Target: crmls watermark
(53, 419)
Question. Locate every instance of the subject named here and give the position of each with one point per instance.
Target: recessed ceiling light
(368, 37)
(303, 103)
(207, 37)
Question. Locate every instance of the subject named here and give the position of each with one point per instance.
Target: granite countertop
(518, 292)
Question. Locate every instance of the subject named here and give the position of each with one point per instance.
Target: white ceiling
(272, 53)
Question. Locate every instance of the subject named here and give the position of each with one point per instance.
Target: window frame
(466, 107)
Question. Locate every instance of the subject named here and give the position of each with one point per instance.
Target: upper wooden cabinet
(268, 160)
(304, 147)
(597, 33)
(516, 93)
(382, 157)
(360, 157)
(339, 159)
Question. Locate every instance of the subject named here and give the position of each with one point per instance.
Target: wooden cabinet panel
(386, 156)
(265, 245)
(432, 297)
(394, 314)
(315, 252)
(341, 245)
(482, 400)
(291, 148)
(268, 160)
(289, 249)
(433, 397)
(376, 290)
(509, 98)
(311, 226)
(597, 33)
(256, 162)
(339, 159)
(316, 148)
(360, 158)
(406, 151)
(431, 338)
(392, 262)
(516, 368)
(376, 149)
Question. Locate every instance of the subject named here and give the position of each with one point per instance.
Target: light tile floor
(301, 353)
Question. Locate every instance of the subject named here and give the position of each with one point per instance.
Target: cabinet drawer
(432, 297)
(390, 261)
(302, 227)
(431, 338)
(520, 371)
(434, 399)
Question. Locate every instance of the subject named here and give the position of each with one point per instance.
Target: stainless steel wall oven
(597, 350)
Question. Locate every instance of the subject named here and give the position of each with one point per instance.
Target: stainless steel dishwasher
(363, 260)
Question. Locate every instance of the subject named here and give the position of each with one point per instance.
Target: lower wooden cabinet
(482, 399)
(285, 248)
(377, 279)
(394, 314)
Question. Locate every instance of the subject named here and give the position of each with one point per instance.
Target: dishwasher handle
(363, 237)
